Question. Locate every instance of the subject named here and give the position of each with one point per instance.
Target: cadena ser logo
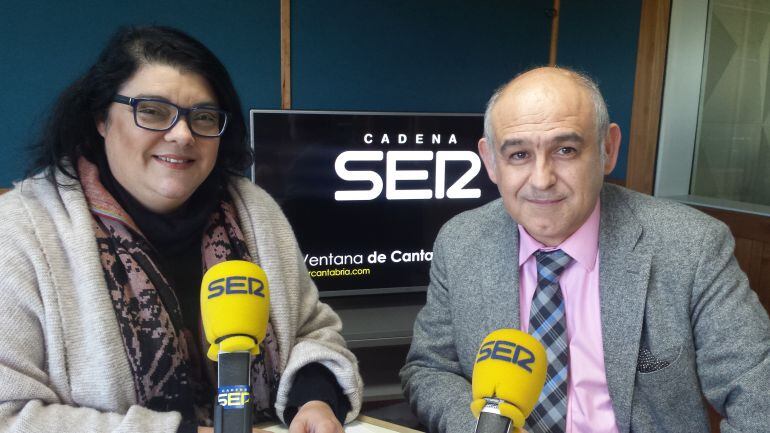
(393, 175)
(507, 351)
(236, 285)
(233, 397)
(423, 165)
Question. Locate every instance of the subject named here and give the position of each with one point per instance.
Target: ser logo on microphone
(507, 351)
(236, 285)
(233, 397)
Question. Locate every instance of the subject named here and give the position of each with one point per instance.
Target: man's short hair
(601, 116)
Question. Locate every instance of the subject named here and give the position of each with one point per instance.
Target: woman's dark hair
(70, 130)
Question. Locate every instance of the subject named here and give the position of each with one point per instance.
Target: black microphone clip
(232, 413)
(490, 419)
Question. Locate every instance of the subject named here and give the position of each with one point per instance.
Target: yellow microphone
(508, 377)
(235, 307)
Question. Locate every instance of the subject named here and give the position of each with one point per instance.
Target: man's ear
(488, 157)
(611, 148)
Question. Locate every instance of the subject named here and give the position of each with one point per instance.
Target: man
(640, 302)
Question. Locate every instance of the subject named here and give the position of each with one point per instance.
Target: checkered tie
(548, 324)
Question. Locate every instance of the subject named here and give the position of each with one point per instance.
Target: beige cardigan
(63, 367)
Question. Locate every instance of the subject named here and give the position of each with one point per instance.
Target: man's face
(546, 161)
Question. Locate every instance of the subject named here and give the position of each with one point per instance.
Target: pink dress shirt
(589, 408)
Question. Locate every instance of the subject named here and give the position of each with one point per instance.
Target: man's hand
(315, 417)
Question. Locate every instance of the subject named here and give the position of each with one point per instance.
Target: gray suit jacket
(670, 287)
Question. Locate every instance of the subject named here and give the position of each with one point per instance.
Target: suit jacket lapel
(623, 278)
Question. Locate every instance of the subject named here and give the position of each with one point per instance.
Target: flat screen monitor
(367, 192)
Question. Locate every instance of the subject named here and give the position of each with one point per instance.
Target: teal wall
(599, 37)
(389, 55)
(45, 45)
(407, 55)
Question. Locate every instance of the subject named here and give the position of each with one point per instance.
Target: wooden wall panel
(742, 250)
(764, 277)
(648, 94)
(753, 266)
(554, 33)
(285, 54)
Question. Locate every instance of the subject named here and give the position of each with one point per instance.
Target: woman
(136, 192)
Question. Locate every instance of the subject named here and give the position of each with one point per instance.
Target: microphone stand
(490, 419)
(232, 412)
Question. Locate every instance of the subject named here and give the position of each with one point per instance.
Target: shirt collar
(582, 245)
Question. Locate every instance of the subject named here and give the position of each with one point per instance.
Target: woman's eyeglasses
(160, 115)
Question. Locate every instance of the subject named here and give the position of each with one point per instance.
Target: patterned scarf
(169, 372)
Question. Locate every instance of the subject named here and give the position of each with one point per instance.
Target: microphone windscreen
(510, 366)
(235, 306)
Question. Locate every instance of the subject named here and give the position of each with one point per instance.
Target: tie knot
(550, 264)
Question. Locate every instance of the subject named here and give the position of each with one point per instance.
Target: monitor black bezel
(353, 292)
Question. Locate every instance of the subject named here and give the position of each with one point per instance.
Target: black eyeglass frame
(180, 111)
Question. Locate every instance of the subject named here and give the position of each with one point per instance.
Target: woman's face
(160, 169)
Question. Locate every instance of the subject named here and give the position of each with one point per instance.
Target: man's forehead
(543, 98)
(545, 86)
